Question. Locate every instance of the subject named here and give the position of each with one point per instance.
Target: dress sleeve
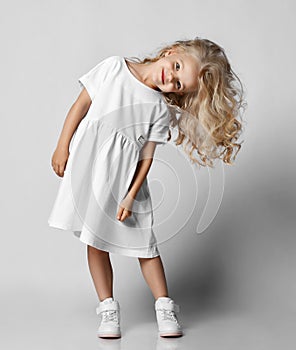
(159, 129)
(93, 79)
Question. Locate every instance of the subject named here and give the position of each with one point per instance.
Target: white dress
(104, 152)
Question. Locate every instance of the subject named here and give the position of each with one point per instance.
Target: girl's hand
(59, 160)
(125, 208)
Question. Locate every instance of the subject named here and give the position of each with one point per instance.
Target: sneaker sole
(170, 334)
(106, 335)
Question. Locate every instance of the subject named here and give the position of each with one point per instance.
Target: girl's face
(176, 72)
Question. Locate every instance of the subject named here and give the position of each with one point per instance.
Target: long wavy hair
(208, 121)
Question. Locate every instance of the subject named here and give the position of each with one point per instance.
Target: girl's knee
(93, 250)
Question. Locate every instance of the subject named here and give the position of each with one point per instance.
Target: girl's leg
(153, 272)
(101, 271)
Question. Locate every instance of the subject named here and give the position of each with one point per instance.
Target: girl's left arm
(143, 167)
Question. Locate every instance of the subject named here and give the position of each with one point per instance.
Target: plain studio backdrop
(235, 281)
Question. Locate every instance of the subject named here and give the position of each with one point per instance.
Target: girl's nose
(171, 77)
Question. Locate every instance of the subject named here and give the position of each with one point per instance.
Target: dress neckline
(124, 59)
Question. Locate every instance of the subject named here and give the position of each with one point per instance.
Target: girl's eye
(178, 82)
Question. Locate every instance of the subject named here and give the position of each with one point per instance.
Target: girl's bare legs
(154, 275)
(101, 271)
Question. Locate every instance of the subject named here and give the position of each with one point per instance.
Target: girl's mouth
(162, 76)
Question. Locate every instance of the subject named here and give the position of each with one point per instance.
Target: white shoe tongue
(107, 300)
(164, 298)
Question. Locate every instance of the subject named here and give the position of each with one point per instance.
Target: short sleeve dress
(104, 152)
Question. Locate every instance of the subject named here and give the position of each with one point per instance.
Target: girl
(125, 108)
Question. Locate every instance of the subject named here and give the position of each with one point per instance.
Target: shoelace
(110, 315)
(169, 315)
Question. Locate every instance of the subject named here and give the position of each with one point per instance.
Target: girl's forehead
(187, 58)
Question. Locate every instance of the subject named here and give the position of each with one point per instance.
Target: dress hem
(100, 245)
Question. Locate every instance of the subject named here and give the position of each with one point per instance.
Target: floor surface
(41, 322)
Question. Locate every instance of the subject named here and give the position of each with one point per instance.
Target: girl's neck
(141, 72)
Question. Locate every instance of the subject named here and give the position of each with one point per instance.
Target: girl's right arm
(76, 113)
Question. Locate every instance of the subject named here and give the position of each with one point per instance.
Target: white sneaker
(168, 325)
(109, 311)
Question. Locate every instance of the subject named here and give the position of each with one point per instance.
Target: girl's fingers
(119, 213)
(126, 214)
(59, 170)
(123, 214)
(56, 169)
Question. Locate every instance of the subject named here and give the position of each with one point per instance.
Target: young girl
(125, 108)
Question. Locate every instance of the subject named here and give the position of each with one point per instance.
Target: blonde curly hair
(208, 117)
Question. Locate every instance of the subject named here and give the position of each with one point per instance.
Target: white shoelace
(169, 315)
(110, 315)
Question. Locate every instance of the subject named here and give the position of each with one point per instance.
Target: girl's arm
(76, 113)
(143, 166)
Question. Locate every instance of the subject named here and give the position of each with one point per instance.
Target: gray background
(235, 282)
